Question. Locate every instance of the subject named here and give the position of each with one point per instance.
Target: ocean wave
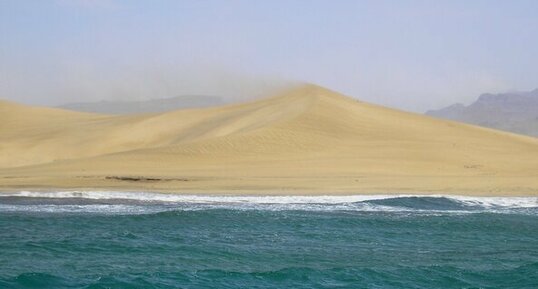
(104, 209)
(147, 203)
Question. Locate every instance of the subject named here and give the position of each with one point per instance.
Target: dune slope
(308, 140)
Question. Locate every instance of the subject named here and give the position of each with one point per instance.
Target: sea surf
(84, 239)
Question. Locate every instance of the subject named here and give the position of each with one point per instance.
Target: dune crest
(305, 140)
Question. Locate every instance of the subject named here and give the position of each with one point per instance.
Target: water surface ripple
(143, 240)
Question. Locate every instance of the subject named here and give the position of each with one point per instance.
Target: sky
(412, 55)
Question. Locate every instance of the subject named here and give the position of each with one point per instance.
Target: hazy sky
(413, 55)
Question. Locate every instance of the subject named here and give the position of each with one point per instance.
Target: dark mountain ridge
(514, 111)
(145, 106)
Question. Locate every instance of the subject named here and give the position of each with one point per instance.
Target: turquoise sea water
(122, 240)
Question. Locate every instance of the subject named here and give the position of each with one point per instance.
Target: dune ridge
(307, 140)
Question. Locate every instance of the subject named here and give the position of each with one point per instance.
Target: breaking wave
(108, 202)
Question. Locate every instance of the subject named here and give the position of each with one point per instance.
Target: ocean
(149, 240)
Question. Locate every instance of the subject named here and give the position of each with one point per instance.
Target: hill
(515, 112)
(308, 140)
(145, 106)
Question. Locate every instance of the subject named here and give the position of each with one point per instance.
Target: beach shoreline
(274, 192)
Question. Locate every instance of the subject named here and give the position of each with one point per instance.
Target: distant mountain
(515, 112)
(146, 106)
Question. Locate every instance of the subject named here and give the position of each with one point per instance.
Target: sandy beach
(306, 140)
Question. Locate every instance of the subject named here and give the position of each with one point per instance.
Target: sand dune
(307, 140)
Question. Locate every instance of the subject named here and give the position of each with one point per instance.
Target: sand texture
(307, 140)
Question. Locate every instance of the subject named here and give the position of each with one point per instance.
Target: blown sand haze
(308, 140)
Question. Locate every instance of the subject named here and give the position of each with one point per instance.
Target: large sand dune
(308, 140)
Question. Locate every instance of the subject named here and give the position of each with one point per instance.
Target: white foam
(186, 198)
(488, 202)
(145, 202)
(94, 208)
(498, 202)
